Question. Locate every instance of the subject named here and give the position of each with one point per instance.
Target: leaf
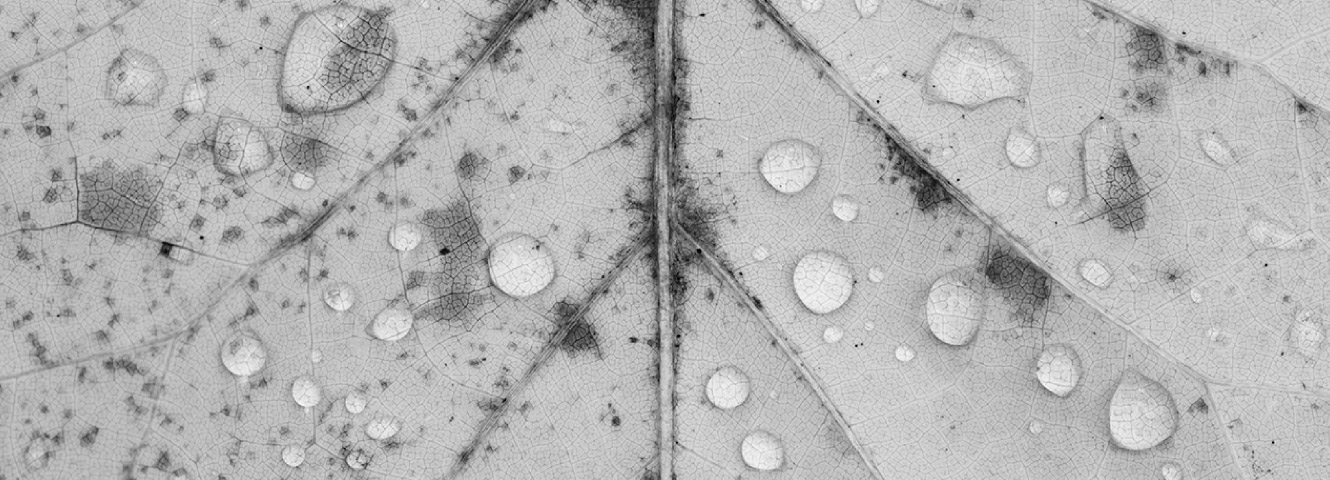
(581, 239)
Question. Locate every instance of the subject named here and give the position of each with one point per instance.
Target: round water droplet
(239, 148)
(762, 451)
(1170, 471)
(356, 401)
(1022, 151)
(339, 296)
(728, 387)
(1096, 273)
(955, 308)
(1036, 427)
(334, 58)
(823, 281)
(904, 353)
(1307, 334)
(135, 78)
(293, 455)
(833, 334)
(302, 181)
(243, 354)
(845, 207)
(1058, 194)
(315, 356)
(761, 253)
(790, 165)
(382, 428)
(877, 274)
(405, 237)
(520, 265)
(811, 6)
(1059, 369)
(358, 459)
(306, 392)
(392, 324)
(194, 97)
(1142, 413)
(1215, 147)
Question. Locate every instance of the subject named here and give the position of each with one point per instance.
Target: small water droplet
(811, 6)
(239, 147)
(339, 296)
(135, 77)
(392, 324)
(1170, 471)
(904, 353)
(1307, 334)
(306, 392)
(845, 207)
(761, 253)
(334, 58)
(356, 401)
(1022, 150)
(728, 388)
(316, 356)
(358, 459)
(790, 165)
(302, 181)
(243, 354)
(763, 451)
(405, 237)
(876, 274)
(1058, 194)
(382, 428)
(293, 455)
(823, 281)
(1215, 147)
(1142, 413)
(1036, 427)
(559, 126)
(833, 334)
(869, 326)
(1096, 273)
(1059, 369)
(955, 308)
(520, 265)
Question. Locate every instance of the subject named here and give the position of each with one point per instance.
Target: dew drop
(293, 455)
(1059, 369)
(1142, 413)
(335, 56)
(520, 265)
(405, 237)
(559, 126)
(243, 354)
(356, 401)
(955, 308)
(1307, 334)
(1215, 147)
(867, 7)
(339, 296)
(970, 71)
(833, 334)
(1170, 471)
(135, 78)
(790, 165)
(315, 356)
(194, 97)
(811, 6)
(302, 181)
(358, 459)
(845, 207)
(1096, 273)
(728, 387)
(876, 275)
(239, 148)
(823, 281)
(761, 253)
(306, 392)
(392, 324)
(1036, 427)
(382, 428)
(904, 353)
(1022, 151)
(762, 451)
(1058, 194)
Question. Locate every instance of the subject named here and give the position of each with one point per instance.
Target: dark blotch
(515, 173)
(452, 281)
(1022, 283)
(1199, 406)
(118, 199)
(580, 335)
(1146, 49)
(89, 436)
(1125, 199)
(472, 166)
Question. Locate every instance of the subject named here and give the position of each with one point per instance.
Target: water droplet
(306, 392)
(970, 71)
(790, 165)
(1036, 427)
(904, 353)
(833, 334)
(37, 454)
(728, 388)
(1215, 147)
(135, 78)
(1269, 234)
(1058, 194)
(405, 237)
(334, 58)
(358, 459)
(302, 181)
(382, 428)
(811, 6)
(1170, 471)
(239, 148)
(1059, 369)
(293, 455)
(392, 324)
(520, 265)
(761, 253)
(867, 7)
(1142, 413)
(315, 356)
(356, 401)
(876, 274)
(339, 296)
(559, 126)
(869, 326)
(823, 281)
(194, 97)
(1096, 273)
(243, 354)
(763, 451)
(955, 308)
(1307, 334)
(845, 207)
(1022, 151)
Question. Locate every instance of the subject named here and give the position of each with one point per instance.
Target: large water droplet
(335, 56)
(904, 353)
(1022, 151)
(1096, 273)
(845, 207)
(763, 451)
(1170, 471)
(392, 324)
(520, 265)
(405, 237)
(1142, 413)
(1058, 195)
(239, 148)
(970, 71)
(1307, 334)
(955, 308)
(1059, 369)
(356, 401)
(790, 165)
(135, 78)
(382, 428)
(243, 354)
(877, 274)
(339, 296)
(833, 334)
(1215, 147)
(306, 392)
(728, 388)
(293, 455)
(823, 281)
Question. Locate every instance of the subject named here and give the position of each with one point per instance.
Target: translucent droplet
(904, 353)
(1096, 273)
(867, 7)
(1215, 147)
(243, 354)
(358, 459)
(356, 401)
(761, 253)
(833, 334)
(392, 324)
(728, 388)
(405, 237)
(302, 181)
(790, 165)
(239, 148)
(877, 274)
(1170, 471)
(559, 126)
(811, 6)
(1269, 234)
(339, 296)
(1058, 194)
(135, 78)
(1059, 369)
(382, 428)
(1036, 427)
(869, 326)
(1142, 413)
(194, 97)
(955, 308)
(1307, 334)
(970, 71)
(845, 207)
(823, 281)
(1022, 151)
(763, 451)
(306, 392)
(315, 356)
(334, 58)
(293, 455)
(520, 265)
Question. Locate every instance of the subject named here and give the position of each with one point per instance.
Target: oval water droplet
(382, 428)
(970, 71)
(867, 7)
(238, 147)
(1058, 195)
(293, 455)
(520, 265)
(356, 401)
(845, 207)
(302, 181)
(833, 334)
(392, 324)
(358, 459)
(1215, 147)
(1059, 369)
(823, 281)
(135, 78)
(1142, 413)
(405, 237)
(904, 353)
(763, 451)
(955, 308)
(1307, 334)
(761, 253)
(877, 274)
(728, 387)
(869, 326)
(811, 6)
(339, 296)
(1171, 471)
(334, 58)
(306, 392)
(790, 165)
(1096, 273)
(243, 354)
(1036, 427)
(1022, 150)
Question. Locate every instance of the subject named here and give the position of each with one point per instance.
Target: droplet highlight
(520, 265)
(238, 147)
(1059, 369)
(867, 7)
(833, 334)
(728, 387)
(1022, 150)
(392, 324)
(1096, 273)
(823, 281)
(135, 78)
(382, 428)
(877, 275)
(1142, 413)
(306, 392)
(1057, 195)
(845, 207)
(243, 354)
(293, 455)
(904, 353)
(405, 237)
(1215, 148)
(790, 165)
(1170, 471)
(356, 401)
(955, 308)
(339, 296)
(762, 451)
(1307, 333)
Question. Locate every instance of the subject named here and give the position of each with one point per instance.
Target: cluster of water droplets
(729, 388)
